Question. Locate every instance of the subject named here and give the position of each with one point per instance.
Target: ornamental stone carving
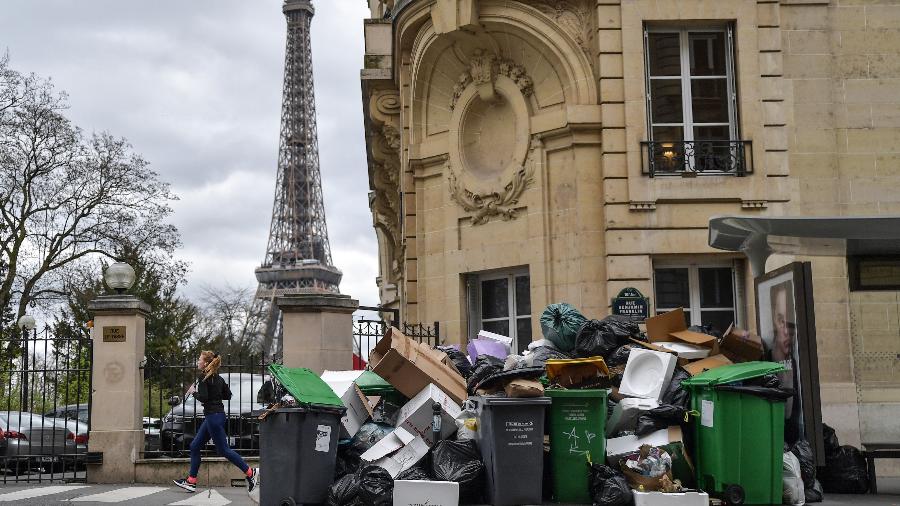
(484, 68)
(573, 16)
(486, 205)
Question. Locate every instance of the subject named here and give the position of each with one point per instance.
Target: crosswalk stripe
(120, 494)
(203, 498)
(30, 493)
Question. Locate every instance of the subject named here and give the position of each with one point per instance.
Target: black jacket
(211, 392)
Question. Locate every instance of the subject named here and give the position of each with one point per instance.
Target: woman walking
(211, 391)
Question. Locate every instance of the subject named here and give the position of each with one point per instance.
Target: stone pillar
(318, 331)
(117, 389)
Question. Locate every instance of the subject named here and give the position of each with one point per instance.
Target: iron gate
(368, 331)
(45, 404)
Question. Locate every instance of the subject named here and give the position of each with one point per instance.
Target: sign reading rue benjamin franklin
(114, 334)
(631, 302)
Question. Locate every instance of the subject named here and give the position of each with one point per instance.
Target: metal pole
(25, 369)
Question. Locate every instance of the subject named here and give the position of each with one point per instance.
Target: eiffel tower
(298, 255)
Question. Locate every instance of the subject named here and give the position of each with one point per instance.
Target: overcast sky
(195, 86)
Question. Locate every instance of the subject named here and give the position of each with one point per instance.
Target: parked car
(151, 434)
(78, 412)
(33, 440)
(180, 424)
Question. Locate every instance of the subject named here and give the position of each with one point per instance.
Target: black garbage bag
(369, 434)
(560, 323)
(619, 356)
(624, 327)
(659, 418)
(460, 462)
(804, 454)
(459, 360)
(594, 339)
(345, 464)
(344, 491)
(768, 381)
(609, 487)
(675, 395)
(814, 493)
(832, 445)
(845, 472)
(540, 355)
(375, 486)
(485, 366)
(414, 473)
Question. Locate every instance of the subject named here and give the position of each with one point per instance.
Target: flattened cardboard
(695, 368)
(671, 325)
(402, 458)
(740, 345)
(522, 388)
(411, 366)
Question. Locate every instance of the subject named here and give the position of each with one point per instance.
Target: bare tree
(229, 321)
(65, 196)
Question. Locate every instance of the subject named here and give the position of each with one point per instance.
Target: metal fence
(172, 415)
(45, 385)
(367, 332)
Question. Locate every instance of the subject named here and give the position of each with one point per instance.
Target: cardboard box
(416, 415)
(432, 493)
(396, 452)
(619, 446)
(671, 325)
(523, 388)
(695, 368)
(411, 366)
(358, 408)
(740, 345)
(676, 499)
(638, 481)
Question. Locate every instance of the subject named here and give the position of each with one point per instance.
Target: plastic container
(298, 449)
(510, 436)
(647, 374)
(739, 436)
(577, 435)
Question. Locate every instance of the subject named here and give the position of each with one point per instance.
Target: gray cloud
(196, 87)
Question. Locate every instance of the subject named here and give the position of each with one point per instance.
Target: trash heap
(597, 412)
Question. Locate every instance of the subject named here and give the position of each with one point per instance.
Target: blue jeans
(214, 427)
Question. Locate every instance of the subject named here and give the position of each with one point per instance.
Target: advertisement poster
(786, 323)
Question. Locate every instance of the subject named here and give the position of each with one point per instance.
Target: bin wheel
(734, 494)
(288, 501)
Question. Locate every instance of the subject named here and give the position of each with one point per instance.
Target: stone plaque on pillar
(318, 330)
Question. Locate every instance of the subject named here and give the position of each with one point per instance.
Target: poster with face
(778, 329)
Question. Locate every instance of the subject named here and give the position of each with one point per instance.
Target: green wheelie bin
(739, 433)
(577, 436)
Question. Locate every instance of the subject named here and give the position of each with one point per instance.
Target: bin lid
(733, 373)
(372, 384)
(306, 386)
(489, 400)
(587, 392)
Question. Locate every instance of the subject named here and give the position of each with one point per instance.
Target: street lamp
(119, 276)
(26, 324)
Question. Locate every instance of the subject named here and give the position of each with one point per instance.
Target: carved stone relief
(573, 16)
(486, 205)
(484, 67)
(384, 111)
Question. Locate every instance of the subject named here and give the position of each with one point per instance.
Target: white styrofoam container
(432, 493)
(647, 374)
(675, 499)
(626, 412)
(686, 350)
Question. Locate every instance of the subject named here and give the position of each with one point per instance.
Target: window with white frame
(709, 293)
(692, 99)
(500, 302)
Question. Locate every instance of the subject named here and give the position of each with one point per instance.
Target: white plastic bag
(466, 423)
(792, 481)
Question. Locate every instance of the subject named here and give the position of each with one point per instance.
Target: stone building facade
(528, 152)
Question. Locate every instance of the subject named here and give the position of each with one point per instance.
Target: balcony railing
(692, 158)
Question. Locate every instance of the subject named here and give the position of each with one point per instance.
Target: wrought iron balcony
(692, 158)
